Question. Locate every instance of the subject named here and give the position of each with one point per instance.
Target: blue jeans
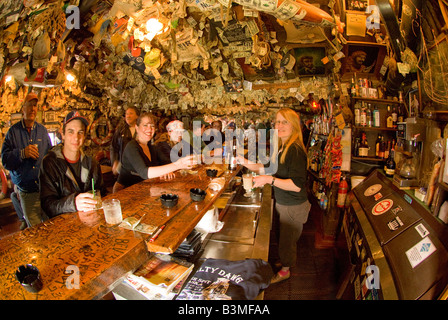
(17, 206)
(32, 212)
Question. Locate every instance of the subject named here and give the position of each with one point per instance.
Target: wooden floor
(315, 277)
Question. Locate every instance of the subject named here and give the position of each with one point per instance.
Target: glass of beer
(247, 184)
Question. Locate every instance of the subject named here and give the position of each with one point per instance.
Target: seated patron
(66, 173)
(141, 160)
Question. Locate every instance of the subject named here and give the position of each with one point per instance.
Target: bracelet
(273, 179)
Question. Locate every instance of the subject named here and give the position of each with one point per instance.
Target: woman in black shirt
(287, 174)
(141, 160)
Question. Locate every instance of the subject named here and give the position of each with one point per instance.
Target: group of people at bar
(60, 179)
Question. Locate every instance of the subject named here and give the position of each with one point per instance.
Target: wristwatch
(272, 182)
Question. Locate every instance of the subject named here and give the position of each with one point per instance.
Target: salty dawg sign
(219, 279)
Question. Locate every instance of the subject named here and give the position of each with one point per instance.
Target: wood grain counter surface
(103, 254)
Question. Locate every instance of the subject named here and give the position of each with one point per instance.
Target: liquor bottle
(356, 147)
(377, 145)
(394, 117)
(389, 121)
(382, 148)
(376, 117)
(352, 88)
(357, 114)
(364, 146)
(400, 117)
(232, 160)
(387, 150)
(390, 165)
(369, 115)
(363, 115)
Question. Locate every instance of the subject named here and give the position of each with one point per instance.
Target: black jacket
(119, 141)
(58, 186)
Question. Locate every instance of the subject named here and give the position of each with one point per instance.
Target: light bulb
(154, 26)
(69, 77)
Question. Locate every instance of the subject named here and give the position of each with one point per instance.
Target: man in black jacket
(66, 173)
(124, 134)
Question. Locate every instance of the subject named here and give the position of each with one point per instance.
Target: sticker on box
(422, 250)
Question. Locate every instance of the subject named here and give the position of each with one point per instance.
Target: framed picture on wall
(309, 60)
(50, 116)
(356, 5)
(363, 58)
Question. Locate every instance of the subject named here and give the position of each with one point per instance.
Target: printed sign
(422, 250)
(372, 190)
(382, 207)
(422, 230)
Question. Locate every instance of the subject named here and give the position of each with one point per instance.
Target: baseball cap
(73, 115)
(175, 125)
(31, 96)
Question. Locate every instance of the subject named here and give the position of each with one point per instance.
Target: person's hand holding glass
(248, 184)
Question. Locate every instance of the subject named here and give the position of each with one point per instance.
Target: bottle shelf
(377, 100)
(443, 185)
(368, 159)
(375, 128)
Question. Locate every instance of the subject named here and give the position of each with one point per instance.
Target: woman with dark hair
(141, 159)
(288, 179)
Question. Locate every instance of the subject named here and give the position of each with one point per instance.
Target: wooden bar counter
(104, 254)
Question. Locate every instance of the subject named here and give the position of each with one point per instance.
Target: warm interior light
(154, 26)
(69, 77)
(8, 78)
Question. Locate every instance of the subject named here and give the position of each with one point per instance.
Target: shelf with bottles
(321, 194)
(360, 128)
(367, 149)
(376, 117)
(377, 100)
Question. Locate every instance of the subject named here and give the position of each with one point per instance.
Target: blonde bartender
(289, 186)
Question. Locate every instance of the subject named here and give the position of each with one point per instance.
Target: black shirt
(134, 165)
(293, 168)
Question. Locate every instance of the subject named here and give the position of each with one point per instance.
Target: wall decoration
(363, 58)
(356, 5)
(50, 116)
(309, 60)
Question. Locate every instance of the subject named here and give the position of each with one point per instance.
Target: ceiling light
(154, 26)
(70, 77)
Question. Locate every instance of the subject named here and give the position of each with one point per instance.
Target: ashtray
(197, 194)
(29, 277)
(169, 200)
(211, 172)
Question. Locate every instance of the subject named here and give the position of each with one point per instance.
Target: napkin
(217, 184)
